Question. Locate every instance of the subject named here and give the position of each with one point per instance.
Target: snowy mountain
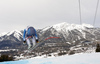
(90, 58)
(73, 38)
(68, 33)
(67, 26)
(71, 32)
(15, 34)
(10, 39)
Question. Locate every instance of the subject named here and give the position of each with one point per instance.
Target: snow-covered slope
(64, 30)
(71, 32)
(87, 58)
(15, 34)
(73, 37)
(66, 26)
(2, 34)
(11, 39)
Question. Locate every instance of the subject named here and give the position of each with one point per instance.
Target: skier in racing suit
(30, 36)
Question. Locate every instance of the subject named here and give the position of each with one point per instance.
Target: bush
(98, 48)
(5, 58)
(49, 55)
(61, 53)
(71, 52)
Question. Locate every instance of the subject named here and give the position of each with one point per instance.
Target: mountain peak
(14, 31)
(68, 26)
(2, 34)
(87, 25)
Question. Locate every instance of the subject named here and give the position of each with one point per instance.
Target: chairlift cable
(96, 13)
(80, 12)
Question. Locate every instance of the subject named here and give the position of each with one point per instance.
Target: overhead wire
(96, 13)
(80, 12)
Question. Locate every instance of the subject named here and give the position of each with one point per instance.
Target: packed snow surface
(86, 58)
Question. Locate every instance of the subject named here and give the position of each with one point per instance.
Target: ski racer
(30, 36)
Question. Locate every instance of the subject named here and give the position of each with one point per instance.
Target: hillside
(90, 58)
(73, 38)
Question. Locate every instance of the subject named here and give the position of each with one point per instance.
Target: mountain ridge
(71, 41)
(73, 35)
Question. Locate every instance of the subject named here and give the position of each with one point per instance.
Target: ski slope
(86, 58)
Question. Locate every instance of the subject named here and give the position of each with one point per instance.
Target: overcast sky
(17, 14)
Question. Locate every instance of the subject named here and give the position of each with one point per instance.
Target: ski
(31, 49)
(35, 46)
(27, 51)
